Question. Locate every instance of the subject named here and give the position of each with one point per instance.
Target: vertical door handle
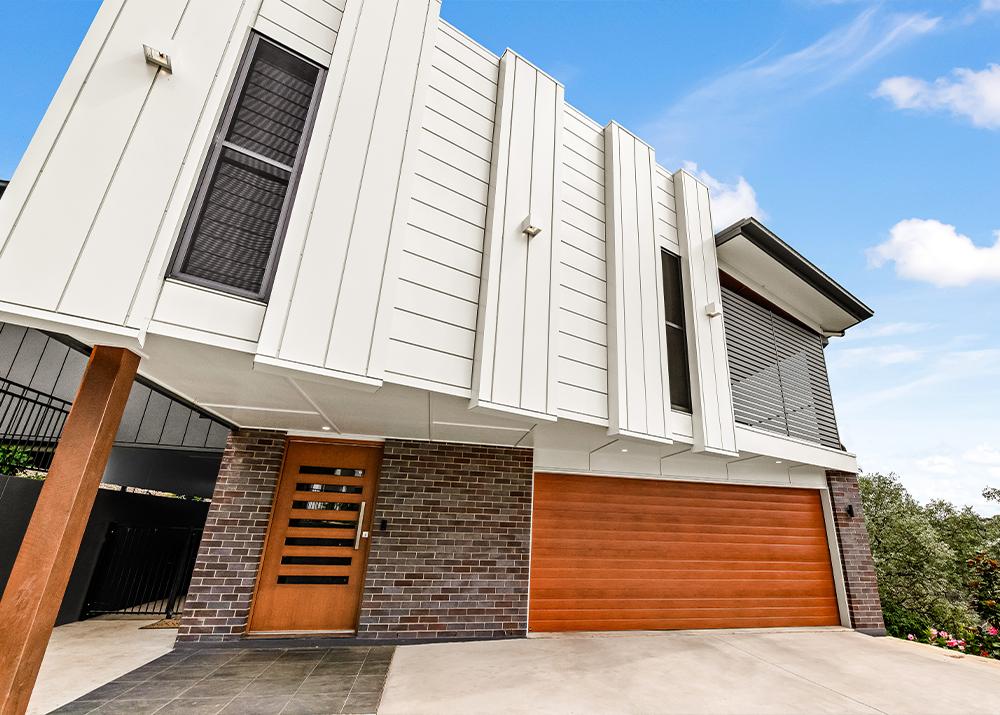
(361, 525)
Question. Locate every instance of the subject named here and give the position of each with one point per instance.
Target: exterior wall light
(713, 310)
(530, 229)
(157, 59)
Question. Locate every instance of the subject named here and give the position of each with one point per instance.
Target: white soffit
(758, 256)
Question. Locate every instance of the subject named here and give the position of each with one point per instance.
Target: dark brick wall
(453, 561)
(855, 554)
(218, 601)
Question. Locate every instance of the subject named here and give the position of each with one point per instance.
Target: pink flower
(992, 630)
(961, 647)
(951, 643)
(944, 634)
(911, 637)
(961, 642)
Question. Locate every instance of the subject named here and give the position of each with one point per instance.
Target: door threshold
(302, 634)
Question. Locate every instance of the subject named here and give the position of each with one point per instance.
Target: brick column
(855, 554)
(218, 600)
(453, 560)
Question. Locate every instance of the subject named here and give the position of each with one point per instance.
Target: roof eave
(768, 242)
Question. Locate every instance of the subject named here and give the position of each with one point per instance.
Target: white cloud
(934, 252)
(970, 94)
(937, 464)
(882, 355)
(983, 454)
(741, 102)
(870, 330)
(730, 202)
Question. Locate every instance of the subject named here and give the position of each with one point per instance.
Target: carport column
(855, 553)
(38, 580)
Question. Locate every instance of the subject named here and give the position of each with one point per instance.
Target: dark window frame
(218, 146)
(668, 259)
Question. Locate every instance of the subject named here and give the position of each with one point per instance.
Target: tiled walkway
(345, 679)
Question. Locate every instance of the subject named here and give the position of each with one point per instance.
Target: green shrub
(14, 460)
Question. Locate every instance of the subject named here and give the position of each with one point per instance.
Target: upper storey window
(777, 368)
(234, 227)
(677, 354)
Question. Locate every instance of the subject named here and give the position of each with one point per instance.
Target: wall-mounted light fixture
(157, 59)
(850, 510)
(713, 310)
(528, 228)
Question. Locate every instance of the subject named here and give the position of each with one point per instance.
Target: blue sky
(865, 134)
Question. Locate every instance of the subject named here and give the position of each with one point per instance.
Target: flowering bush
(983, 640)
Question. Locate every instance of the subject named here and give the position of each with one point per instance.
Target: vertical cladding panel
(135, 196)
(516, 327)
(90, 158)
(446, 223)
(327, 307)
(714, 423)
(637, 358)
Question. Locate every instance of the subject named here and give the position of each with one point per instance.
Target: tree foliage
(937, 564)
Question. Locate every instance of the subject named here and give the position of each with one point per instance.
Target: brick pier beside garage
(855, 553)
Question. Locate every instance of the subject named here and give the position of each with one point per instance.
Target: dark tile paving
(247, 681)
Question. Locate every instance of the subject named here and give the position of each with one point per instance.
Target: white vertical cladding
(638, 389)
(711, 393)
(516, 340)
(115, 153)
(333, 290)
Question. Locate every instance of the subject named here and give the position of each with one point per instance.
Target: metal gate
(143, 570)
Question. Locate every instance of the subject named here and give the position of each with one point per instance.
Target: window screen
(677, 354)
(235, 224)
(778, 372)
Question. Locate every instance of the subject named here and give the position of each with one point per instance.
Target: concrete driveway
(793, 671)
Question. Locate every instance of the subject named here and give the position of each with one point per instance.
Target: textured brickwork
(453, 560)
(218, 601)
(855, 554)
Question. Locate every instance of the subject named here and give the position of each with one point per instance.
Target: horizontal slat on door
(624, 554)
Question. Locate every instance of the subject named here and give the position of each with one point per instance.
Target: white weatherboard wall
(333, 290)
(711, 392)
(516, 335)
(433, 333)
(86, 203)
(582, 297)
(306, 26)
(638, 388)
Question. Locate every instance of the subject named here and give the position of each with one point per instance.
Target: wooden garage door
(636, 554)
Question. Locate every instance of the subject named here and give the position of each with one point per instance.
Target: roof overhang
(761, 256)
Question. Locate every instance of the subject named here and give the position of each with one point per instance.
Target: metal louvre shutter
(639, 554)
(778, 373)
(237, 218)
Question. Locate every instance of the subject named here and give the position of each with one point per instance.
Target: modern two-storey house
(494, 372)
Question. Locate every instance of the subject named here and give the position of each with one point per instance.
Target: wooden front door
(317, 543)
(638, 554)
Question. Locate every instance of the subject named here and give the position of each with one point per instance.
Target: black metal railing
(30, 425)
(143, 570)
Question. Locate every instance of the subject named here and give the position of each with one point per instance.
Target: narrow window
(234, 227)
(677, 354)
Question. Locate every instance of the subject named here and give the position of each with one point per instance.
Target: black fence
(30, 425)
(142, 570)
